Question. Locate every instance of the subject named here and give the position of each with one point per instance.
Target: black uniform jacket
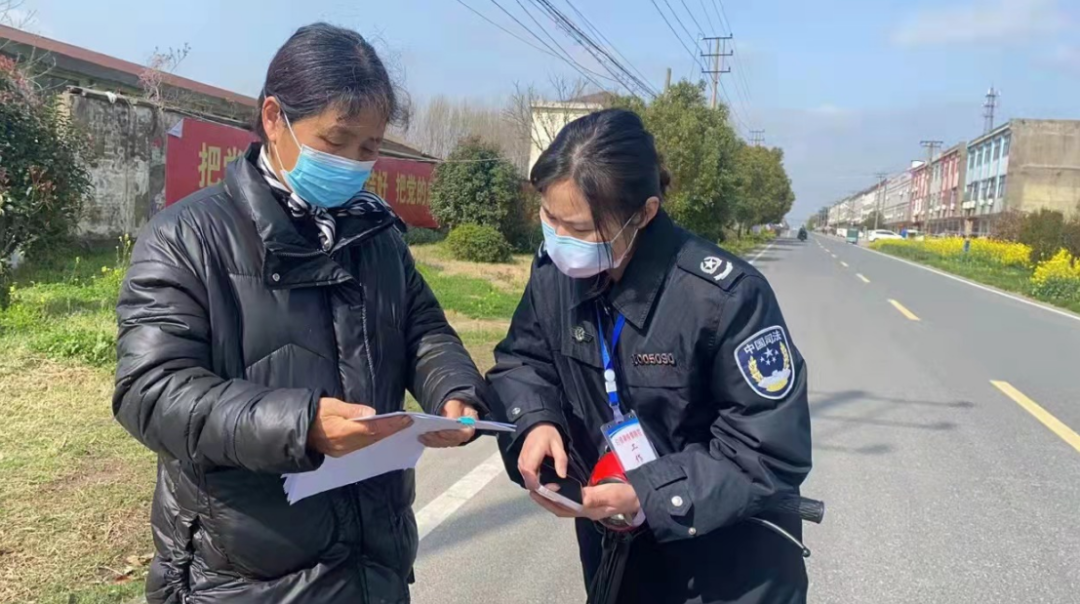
(232, 326)
(706, 362)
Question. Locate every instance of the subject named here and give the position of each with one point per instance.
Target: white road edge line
(762, 252)
(442, 507)
(1056, 311)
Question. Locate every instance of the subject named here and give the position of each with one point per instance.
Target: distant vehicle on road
(873, 236)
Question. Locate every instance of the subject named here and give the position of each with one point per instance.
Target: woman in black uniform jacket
(700, 354)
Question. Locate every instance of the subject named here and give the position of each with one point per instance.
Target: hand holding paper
(387, 451)
(336, 433)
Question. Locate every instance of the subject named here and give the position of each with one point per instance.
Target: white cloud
(1000, 21)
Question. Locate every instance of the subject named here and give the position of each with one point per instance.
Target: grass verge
(75, 488)
(1012, 279)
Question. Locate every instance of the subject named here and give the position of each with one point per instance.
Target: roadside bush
(476, 243)
(1044, 232)
(43, 180)
(1057, 279)
(476, 185)
(420, 236)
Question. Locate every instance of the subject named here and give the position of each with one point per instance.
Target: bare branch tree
(538, 118)
(152, 77)
(438, 126)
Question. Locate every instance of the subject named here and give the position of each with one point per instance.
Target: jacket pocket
(251, 530)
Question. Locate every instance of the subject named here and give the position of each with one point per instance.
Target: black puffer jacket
(232, 326)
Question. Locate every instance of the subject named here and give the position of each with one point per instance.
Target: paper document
(398, 452)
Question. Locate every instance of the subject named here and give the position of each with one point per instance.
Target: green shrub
(43, 177)
(420, 236)
(94, 347)
(1044, 232)
(476, 243)
(476, 185)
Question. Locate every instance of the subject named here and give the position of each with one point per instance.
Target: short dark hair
(322, 65)
(611, 158)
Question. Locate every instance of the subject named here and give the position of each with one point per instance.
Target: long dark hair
(322, 65)
(611, 158)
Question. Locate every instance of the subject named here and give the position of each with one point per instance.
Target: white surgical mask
(582, 259)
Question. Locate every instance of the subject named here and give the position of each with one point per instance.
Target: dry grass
(75, 488)
(510, 278)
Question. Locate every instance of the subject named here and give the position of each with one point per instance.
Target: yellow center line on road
(843, 264)
(904, 311)
(864, 279)
(1056, 426)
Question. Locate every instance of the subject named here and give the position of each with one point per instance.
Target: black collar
(635, 294)
(291, 259)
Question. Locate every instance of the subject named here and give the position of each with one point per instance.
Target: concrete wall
(128, 161)
(1044, 168)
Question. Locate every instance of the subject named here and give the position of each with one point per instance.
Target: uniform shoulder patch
(766, 363)
(711, 263)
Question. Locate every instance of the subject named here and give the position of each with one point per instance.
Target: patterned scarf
(365, 203)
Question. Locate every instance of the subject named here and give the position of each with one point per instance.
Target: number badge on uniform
(765, 362)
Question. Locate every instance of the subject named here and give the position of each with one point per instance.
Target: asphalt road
(941, 487)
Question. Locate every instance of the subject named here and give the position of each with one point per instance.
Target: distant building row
(1023, 165)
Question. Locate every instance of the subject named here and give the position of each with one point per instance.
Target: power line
(526, 42)
(678, 20)
(701, 29)
(574, 64)
(677, 37)
(542, 29)
(708, 17)
(599, 53)
(723, 12)
(604, 39)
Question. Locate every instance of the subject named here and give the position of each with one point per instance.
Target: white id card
(628, 441)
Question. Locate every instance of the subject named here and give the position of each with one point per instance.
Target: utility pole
(667, 81)
(718, 64)
(882, 178)
(989, 108)
(931, 146)
(757, 137)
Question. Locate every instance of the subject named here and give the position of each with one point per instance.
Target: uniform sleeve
(525, 380)
(440, 367)
(760, 448)
(166, 394)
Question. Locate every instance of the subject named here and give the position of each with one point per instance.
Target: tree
(764, 193)
(43, 180)
(699, 148)
(476, 185)
(538, 133)
(439, 126)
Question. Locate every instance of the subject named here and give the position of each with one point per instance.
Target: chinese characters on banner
(198, 151)
(406, 185)
(196, 155)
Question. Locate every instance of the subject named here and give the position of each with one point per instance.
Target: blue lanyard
(610, 383)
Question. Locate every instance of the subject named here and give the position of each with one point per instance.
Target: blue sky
(846, 87)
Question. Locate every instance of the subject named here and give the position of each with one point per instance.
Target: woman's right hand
(541, 442)
(335, 433)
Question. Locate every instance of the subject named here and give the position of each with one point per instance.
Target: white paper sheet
(398, 452)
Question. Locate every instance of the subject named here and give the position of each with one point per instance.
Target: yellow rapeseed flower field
(989, 251)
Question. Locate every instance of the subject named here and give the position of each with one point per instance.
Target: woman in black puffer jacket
(258, 317)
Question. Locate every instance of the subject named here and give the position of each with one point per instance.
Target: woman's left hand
(607, 500)
(453, 409)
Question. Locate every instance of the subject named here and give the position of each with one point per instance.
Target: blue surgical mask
(324, 179)
(582, 259)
